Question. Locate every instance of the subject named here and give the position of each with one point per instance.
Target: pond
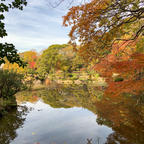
(73, 116)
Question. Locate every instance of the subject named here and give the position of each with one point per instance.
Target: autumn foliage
(126, 65)
(110, 34)
(28, 57)
(98, 24)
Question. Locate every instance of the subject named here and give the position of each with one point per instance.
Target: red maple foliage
(127, 65)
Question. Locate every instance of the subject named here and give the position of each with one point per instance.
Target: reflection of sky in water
(48, 125)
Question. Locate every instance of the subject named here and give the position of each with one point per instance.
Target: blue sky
(36, 27)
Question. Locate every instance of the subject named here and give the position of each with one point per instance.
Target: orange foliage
(47, 82)
(128, 66)
(30, 57)
(125, 115)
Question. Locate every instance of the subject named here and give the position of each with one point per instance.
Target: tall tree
(8, 50)
(50, 60)
(99, 24)
(111, 33)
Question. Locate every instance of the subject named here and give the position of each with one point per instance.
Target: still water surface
(72, 116)
(48, 125)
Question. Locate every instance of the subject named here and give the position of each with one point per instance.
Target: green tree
(50, 60)
(8, 50)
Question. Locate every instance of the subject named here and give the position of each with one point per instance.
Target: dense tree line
(55, 58)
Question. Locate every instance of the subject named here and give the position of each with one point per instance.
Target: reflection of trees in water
(126, 135)
(89, 141)
(123, 113)
(10, 123)
(65, 97)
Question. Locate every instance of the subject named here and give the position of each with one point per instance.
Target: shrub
(10, 83)
(118, 79)
(70, 75)
(74, 76)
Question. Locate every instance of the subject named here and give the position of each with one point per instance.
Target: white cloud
(24, 43)
(36, 27)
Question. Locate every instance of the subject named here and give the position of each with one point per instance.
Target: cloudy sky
(37, 26)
